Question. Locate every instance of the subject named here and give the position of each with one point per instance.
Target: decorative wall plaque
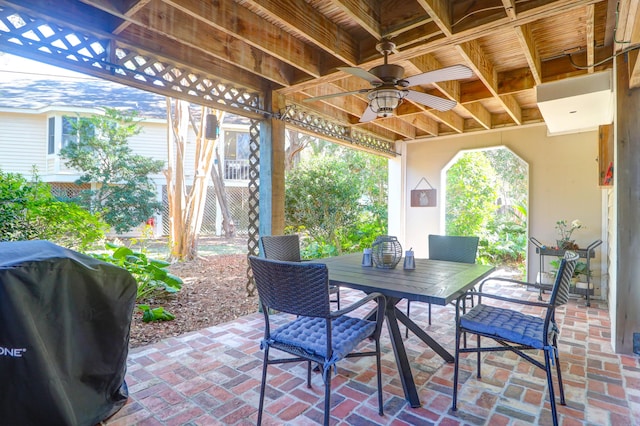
(424, 197)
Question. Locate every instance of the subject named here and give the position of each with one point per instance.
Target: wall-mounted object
(211, 127)
(576, 104)
(424, 197)
(605, 155)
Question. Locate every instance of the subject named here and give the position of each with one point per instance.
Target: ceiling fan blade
(368, 115)
(333, 95)
(454, 72)
(435, 102)
(359, 72)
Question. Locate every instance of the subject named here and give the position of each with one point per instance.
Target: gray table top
(433, 281)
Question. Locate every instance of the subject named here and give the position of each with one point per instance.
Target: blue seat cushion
(309, 333)
(506, 324)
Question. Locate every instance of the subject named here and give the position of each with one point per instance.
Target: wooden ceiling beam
(237, 21)
(448, 118)
(245, 58)
(452, 90)
(206, 64)
(411, 50)
(526, 17)
(440, 12)
(365, 12)
(130, 8)
(629, 33)
(479, 113)
(303, 20)
(525, 37)
(419, 24)
(483, 68)
(323, 109)
(403, 129)
(589, 29)
(422, 34)
(156, 23)
(421, 122)
(510, 8)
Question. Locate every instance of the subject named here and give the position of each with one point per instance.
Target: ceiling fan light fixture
(383, 102)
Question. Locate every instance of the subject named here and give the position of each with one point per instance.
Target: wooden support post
(625, 298)
(272, 156)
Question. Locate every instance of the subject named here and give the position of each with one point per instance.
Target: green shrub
(153, 279)
(28, 211)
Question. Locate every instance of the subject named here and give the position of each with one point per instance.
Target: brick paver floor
(212, 377)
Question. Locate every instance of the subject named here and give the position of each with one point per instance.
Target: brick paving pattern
(212, 377)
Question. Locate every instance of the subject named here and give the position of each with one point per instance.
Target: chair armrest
(379, 297)
(510, 280)
(503, 298)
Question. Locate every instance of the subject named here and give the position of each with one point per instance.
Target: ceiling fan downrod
(386, 47)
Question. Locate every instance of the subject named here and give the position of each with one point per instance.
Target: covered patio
(452, 76)
(282, 64)
(212, 377)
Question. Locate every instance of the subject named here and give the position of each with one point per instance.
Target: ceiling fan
(390, 87)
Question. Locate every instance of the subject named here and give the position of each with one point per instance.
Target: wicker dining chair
(515, 331)
(287, 248)
(452, 249)
(318, 334)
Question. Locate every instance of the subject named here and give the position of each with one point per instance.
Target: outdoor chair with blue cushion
(515, 331)
(287, 248)
(452, 249)
(317, 334)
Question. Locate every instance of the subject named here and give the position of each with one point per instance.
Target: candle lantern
(386, 252)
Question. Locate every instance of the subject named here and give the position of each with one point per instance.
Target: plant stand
(587, 254)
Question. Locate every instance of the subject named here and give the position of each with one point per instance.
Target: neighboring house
(36, 119)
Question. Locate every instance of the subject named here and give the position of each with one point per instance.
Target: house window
(69, 132)
(51, 145)
(236, 155)
(236, 145)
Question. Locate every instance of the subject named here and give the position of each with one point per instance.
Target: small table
(433, 281)
(588, 254)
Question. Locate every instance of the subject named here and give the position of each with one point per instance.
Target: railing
(236, 169)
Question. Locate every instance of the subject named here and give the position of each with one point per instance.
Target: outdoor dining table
(433, 281)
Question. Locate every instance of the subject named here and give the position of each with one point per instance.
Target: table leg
(404, 369)
(418, 331)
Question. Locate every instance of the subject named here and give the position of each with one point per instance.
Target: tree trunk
(221, 193)
(186, 208)
(297, 142)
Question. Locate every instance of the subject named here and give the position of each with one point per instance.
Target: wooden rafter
(295, 47)
(305, 22)
(530, 52)
(366, 13)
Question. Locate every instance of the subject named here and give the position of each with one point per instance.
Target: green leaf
(173, 281)
(159, 263)
(122, 252)
(156, 314)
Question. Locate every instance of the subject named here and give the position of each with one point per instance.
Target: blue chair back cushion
(310, 333)
(507, 324)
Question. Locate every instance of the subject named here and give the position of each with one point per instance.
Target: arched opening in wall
(486, 194)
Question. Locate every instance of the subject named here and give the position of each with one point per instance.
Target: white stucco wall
(563, 184)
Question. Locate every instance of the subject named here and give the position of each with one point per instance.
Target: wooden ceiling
(289, 50)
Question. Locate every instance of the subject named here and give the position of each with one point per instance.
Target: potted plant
(565, 231)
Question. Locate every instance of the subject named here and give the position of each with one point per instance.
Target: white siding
(23, 142)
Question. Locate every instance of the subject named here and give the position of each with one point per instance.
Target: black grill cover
(64, 335)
